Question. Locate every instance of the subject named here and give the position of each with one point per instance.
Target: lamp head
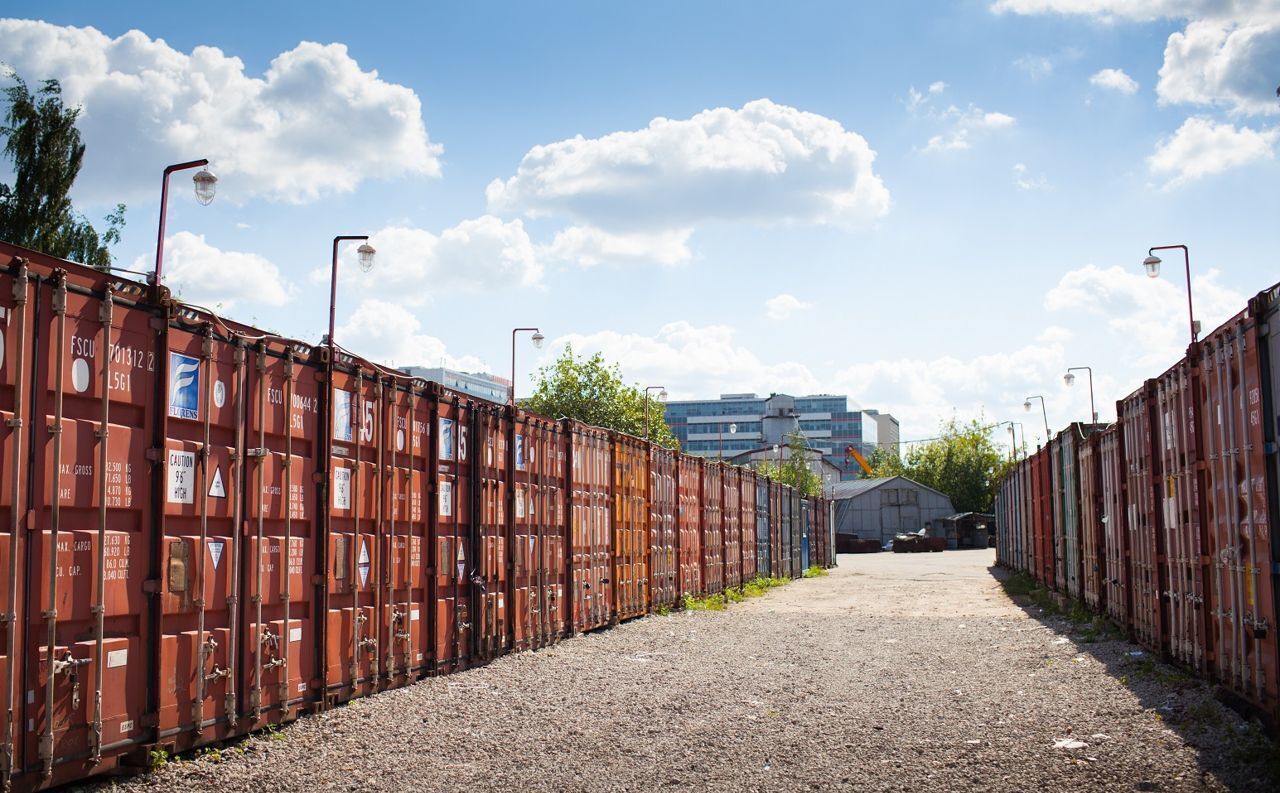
(1069, 379)
(733, 428)
(366, 253)
(538, 338)
(206, 185)
(1027, 406)
(662, 395)
(1152, 263)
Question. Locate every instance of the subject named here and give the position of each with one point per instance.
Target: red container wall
(406, 602)
(1179, 501)
(1239, 402)
(779, 532)
(1093, 563)
(747, 522)
(541, 531)
(1029, 558)
(92, 531)
(713, 550)
(1144, 517)
(1056, 495)
(664, 562)
(1042, 518)
(689, 484)
(1115, 522)
(797, 527)
(490, 531)
(732, 519)
(630, 526)
(591, 535)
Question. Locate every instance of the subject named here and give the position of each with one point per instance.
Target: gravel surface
(895, 672)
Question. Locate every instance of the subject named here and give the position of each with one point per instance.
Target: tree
(962, 462)
(42, 141)
(592, 391)
(794, 470)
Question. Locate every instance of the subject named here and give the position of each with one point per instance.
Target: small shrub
(158, 758)
(815, 572)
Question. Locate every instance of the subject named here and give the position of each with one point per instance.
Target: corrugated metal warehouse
(880, 508)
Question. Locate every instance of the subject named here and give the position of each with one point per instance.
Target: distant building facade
(877, 509)
(739, 423)
(888, 432)
(477, 384)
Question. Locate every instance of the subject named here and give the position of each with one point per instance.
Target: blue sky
(931, 207)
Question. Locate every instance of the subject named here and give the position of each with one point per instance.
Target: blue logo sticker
(184, 386)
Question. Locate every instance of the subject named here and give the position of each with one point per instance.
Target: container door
(405, 641)
(453, 612)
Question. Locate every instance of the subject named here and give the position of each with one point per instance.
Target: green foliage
(35, 212)
(158, 758)
(708, 603)
(962, 462)
(794, 470)
(816, 572)
(592, 391)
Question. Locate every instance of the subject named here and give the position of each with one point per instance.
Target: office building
(477, 384)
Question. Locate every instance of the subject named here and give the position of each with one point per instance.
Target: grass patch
(1019, 584)
(708, 603)
(761, 584)
(1148, 668)
(815, 572)
(1253, 748)
(736, 594)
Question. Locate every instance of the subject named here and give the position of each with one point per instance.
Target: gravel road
(895, 672)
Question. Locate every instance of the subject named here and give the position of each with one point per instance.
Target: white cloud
(1025, 181)
(389, 334)
(783, 306)
(763, 162)
(199, 273)
(313, 124)
(1037, 67)
(937, 87)
(1224, 58)
(1145, 319)
(590, 246)
(966, 126)
(1202, 147)
(1114, 80)
(413, 265)
(691, 361)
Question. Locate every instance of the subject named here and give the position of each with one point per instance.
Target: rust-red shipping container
(1144, 517)
(1059, 500)
(1115, 525)
(1177, 446)
(712, 528)
(664, 505)
(689, 521)
(747, 522)
(591, 533)
(779, 531)
(1027, 507)
(1092, 536)
(1240, 371)
(630, 496)
(731, 481)
(1042, 518)
(541, 525)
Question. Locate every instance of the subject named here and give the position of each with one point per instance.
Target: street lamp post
(733, 428)
(1070, 380)
(206, 186)
(1027, 406)
(537, 345)
(662, 397)
(1152, 263)
(366, 253)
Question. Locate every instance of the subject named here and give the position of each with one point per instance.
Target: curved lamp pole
(1152, 263)
(206, 186)
(537, 344)
(1027, 406)
(1013, 437)
(662, 397)
(366, 252)
(1070, 380)
(733, 429)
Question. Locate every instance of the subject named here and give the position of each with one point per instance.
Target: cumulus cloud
(783, 306)
(313, 124)
(590, 246)
(1224, 58)
(763, 162)
(1037, 67)
(1114, 80)
(1202, 147)
(1145, 318)
(389, 334)
(1023, 179)
(199, 273)
(414, 265)
(966, 126)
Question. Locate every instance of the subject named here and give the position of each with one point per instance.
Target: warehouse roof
(857, 487)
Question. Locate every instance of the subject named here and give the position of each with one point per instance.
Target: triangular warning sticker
(362, 562)
(461, 556)
(215, 550)
(216, 490)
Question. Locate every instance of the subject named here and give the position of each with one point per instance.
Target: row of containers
(1164, 521)
(207, 528)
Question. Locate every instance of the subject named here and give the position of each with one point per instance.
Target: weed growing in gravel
(734, 594)
(815, 572)
(662, 610)
(753, 588)
(761, 584)
(1252, 747)
(1100, 629)
(1147, 668)
(708, 603)
(1019, 584)
(158, 758)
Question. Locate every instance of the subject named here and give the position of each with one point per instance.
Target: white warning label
(216, 489)
(117, 658)
(215, 552)
(342, 488)
(362, 562)
(182, 472)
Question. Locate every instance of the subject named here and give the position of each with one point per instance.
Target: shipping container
(1184, 561)
(764, 523)
(630, 497)
(539, 453)
(749, 524)
(713, 550)
(591, 535)
(1240, 375)
(1118, 593)
(731, 482)
(664, 558)
(1092, 537)
(1144, 519)
(795, 522)
(689, 519)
